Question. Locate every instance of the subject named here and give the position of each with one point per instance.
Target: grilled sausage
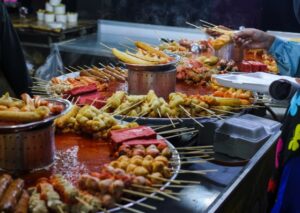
(23, 203)
(5, 180)
(11, 195)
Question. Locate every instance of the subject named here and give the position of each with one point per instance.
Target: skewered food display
(179, 105)
(144, 55)
(200, 69)
(27, 109)
(259, 55)
(88, 120)
(186, 47)
(102, 190)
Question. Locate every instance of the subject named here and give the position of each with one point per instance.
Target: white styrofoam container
(257, 81)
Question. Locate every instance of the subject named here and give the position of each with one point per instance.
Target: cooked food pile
(179, 105)
(27, 109)
(144, 55)
(199, 70)
(88, 120)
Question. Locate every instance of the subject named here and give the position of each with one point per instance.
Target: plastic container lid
(270, 125)
(244, 129)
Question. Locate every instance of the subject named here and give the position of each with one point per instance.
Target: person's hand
(253, 39)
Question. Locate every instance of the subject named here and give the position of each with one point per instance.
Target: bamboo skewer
(128, 108)
(185, 133)
(190, 162)
(74, 68)
(157, 191)
(128, 208)
(209, 111)
(140, 204)
(164, 126)
(143, 194)
(60, 209)
(193, 25)
(175, 130)
(104, 45)
(197, 152)
(84, 202)
(208, 23)
(195, 147)
(189, 115)
(171, 120)
(69, 70)
(172, 186)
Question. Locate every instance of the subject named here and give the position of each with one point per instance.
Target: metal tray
(176, 168)
(27, 126)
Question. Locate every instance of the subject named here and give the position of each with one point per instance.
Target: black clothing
(12, 62)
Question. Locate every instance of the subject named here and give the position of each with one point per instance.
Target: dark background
(262, 14)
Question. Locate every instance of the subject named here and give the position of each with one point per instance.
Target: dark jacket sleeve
(12, 60)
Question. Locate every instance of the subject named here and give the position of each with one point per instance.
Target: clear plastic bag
(52, 66)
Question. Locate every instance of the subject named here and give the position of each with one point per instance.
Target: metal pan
(176, 168)
(27, 126)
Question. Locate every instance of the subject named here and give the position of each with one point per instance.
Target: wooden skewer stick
(189, 162)
(208, 23)
(164, 126)
(196, 152)
(157, 191)
(74, 68)
(179, 119)
(61, 72)
(164, 179)
(69, 70)
(184, 133)
(77, 100)
(104, 45)
(159, 114)
(124, 45)
(129, 208)
(193, 25)
(139, 204)
(189, 115)
(84, 202)
(39, 79)
(209, 111)
(195, 172)
(195, 147)
(171, 120)
(221, 110)
(176, 130)
(173, 186)
(200, 156)
(60, 209)
(205, 171)
(143, 194)
(128, 108)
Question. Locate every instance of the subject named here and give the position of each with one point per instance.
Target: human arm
(286, 54)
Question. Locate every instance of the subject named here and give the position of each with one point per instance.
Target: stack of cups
(55, 10)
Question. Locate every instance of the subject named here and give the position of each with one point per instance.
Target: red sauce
(75, 155)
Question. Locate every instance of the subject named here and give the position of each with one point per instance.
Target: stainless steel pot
(27, 150)
(160, 78)
(29, 146)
